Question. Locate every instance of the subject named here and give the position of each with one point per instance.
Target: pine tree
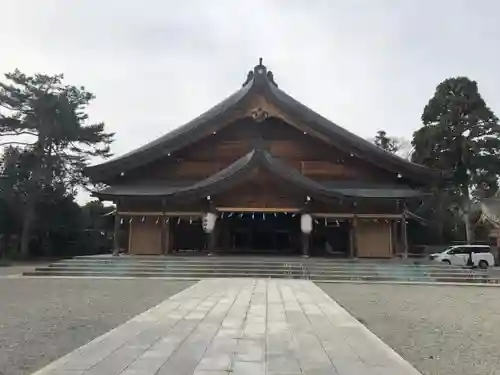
(386, 143)
(46, 120)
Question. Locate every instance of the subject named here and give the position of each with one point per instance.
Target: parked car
(458, 255)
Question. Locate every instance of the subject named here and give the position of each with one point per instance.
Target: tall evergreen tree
(460, 134)
(386, 143)
(46, 119)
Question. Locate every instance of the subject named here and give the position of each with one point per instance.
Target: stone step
(317, 269)
(247, 260)
(259, 264)
(152, 268)
(394, 272)
(339, 271)
(196, 276)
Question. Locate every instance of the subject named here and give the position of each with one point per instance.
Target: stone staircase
(316, 269)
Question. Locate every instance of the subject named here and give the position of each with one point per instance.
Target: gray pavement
(238, 326)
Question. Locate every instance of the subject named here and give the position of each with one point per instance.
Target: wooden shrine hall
(262, 173)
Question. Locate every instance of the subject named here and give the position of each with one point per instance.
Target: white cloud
(367, 65)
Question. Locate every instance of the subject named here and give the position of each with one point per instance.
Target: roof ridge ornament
(249, 78)
(260, 69)
(259, 114)
(270, 77)
(260, 73)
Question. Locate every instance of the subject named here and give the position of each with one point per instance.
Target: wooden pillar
(404, 235)
(305, 237)
(116, 235)
(214, 236)
(168, 235)
(163, 227)
(163, 235)
(394, 238)
(352, 238)
(171, 236)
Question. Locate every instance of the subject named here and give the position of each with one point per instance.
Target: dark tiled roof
(261, 82)
(372, 190)
(240, 169)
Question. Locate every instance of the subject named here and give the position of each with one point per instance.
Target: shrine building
(262, 173)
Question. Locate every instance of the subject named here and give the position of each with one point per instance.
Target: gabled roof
(238, 171)
(260, 81)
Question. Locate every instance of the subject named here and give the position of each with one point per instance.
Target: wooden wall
(145, 238)
(373, 239)
(313, 157)
(260, 190)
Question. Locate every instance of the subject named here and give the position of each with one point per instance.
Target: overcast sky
(154, 65)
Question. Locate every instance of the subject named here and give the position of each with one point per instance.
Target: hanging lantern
(263, 216)
(121, 221)
(275, 215)
(190, 220)
(253, 215)
(306, 223)
(208, 222)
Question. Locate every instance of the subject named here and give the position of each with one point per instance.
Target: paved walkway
(238, 327)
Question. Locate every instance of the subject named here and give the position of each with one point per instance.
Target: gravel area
(441, 330)
(43, 319)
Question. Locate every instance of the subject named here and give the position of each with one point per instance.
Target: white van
(458, 256)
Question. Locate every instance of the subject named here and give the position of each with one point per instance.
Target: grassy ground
(441, 330)
(43, 319)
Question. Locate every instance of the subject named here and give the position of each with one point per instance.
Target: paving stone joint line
(238, 327)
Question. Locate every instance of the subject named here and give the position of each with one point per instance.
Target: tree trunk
(466, 211)
(28, 219)
(469, 229)
(441, 217)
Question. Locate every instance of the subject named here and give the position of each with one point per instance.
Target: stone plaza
(238, 326)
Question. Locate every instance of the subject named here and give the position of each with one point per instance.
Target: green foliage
(386, 143)
(98, 216)
(48, 119)
(460, 134)
(44, 124)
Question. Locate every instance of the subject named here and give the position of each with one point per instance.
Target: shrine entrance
(331, 237)
(260, 233)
